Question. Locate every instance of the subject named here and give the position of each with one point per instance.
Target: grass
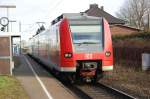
(10, 88)
(131, 80)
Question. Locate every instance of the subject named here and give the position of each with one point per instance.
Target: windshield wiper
(90, 42)
(87, 43)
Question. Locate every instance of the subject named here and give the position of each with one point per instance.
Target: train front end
(89, 47)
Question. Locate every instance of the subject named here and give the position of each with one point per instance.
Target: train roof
(76, 18)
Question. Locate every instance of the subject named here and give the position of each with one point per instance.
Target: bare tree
(133, 12)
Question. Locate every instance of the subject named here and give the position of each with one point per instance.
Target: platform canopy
(12, 34)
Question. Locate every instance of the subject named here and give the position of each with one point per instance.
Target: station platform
(38, 83)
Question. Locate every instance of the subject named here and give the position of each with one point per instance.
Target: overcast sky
(30, 11)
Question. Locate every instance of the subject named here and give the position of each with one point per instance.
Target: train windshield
(87, 34)
(84, 35)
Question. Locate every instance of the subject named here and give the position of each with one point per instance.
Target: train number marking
(88, 56)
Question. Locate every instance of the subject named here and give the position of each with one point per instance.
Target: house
(117, 26)
(117, 29)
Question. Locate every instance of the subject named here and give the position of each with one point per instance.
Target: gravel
(130, 80)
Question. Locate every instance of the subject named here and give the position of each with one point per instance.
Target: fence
(129, 56)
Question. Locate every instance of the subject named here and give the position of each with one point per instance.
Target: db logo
(88, 56)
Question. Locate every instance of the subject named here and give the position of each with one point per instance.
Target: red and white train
(76, 46)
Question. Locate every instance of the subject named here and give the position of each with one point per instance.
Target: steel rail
(115, 91)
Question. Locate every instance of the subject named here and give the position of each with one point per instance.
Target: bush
(143, 36)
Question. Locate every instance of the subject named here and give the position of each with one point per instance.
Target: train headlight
(107, 53)
(68, 55)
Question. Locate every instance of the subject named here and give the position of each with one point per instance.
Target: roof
(78, 18)
(12, 34)
(94, 10)
(125, 26)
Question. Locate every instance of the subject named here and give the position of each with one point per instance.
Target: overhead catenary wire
(56, 6)
(29, 28)
(53, 8)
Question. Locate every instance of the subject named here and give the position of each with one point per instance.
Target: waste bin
(145, 61)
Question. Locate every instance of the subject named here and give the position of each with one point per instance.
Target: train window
(87, 34)
(57, 33)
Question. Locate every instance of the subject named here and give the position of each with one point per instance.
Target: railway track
(98, 91)
(91, 91)
(114, 91)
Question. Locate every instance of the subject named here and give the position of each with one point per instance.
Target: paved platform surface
(38, 83)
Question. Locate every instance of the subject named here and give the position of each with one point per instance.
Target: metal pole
(20, 45)
(148, 22)
(11, 26)
(8, 18)
(11, 21)
(20, 26)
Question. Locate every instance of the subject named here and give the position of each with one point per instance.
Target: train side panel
(107, 64)
(67, 64)
(45, 46)
(54, 49)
